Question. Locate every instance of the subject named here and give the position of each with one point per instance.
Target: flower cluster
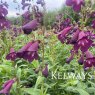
(31, 20)
(60, 23)
(81, 39)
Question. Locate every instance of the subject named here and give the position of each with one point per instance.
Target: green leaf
(77, 90)
(32, 91)
(19, 73)
(39, 81)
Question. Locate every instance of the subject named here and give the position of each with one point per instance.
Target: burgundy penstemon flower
(90, 60)
(29, 51)
(75, 4)
(26, 15)
(68, 60)
(74, 38)
(7, 86)
(3, 11)
(84, 43)
(63, 33)
(12, 55)
(29, 27)
(45, 71)
(81, 60)
(4, 23)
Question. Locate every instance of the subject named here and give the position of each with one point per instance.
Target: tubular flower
(29, 27)
(71, 57)
(3, 11)
(75, 37)
(26, 15)
(7, 87)
(76, 4)
(63, 33)
(29, 51)
(4, 23)
(12, 55)
(81, 60)
(83, 42)
(90, 60)
(45, 71)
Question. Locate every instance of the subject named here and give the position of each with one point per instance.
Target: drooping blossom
(68, 60)
(75, 4)
(7, 86)
(63, 33)
(81, 60)
(84, 43)
(29, 51)
(3, 11)
(12, 55)
(4, 23)
(74, 38)
(29, 27)
(26, 15)
(90, 60)
(45, 71)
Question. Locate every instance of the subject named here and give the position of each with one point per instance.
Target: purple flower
(63, 33)
(12, 55)
(45, 71)
(7, 86)
(29, 51)
(29, 27)
(42, 2)
(4, 23)
(83, 42)
(90, 60)
(81, 60)
(76, 4)
(3, 11)
(75, 37)
(26, 15)
(71, 57)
